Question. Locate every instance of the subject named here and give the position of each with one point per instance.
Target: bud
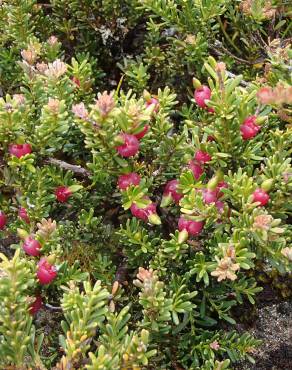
(56, 69)
(8, 107)
(261, 120)
(137, 235)
(267, 185)
(52, 40)
(146, 95)
(115, 287)
(166, 201)
(80, 111)
(144, 336)
(212, 184)
(219, 175)
(23, 234)
(183, 236)
(265, 95)
(41, 67)
(191, 40)
(19, 99)
(119, 140)
(215, 345)
(54, 105)
(51, 259)
(105, 103)
(287, 252)
(212, 62)
(196, 83)
(220, 67)
(125, 357)
(154, 219)
(29, 55)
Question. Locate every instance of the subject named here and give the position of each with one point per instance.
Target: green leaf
(75, 188)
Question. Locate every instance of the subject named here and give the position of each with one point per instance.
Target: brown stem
(218, 45)
(78, 170)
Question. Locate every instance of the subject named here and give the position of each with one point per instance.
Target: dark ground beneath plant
(272, 323)
(269, 320)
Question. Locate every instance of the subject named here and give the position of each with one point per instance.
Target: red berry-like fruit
(209, 196)
(202, 94)
(31, 246)
(220, 206)
(196, 169)
(247, 132)
(46, 272)
(3, 220)
(19, 150)
(192, 227)
(22, 213)
(249, 128)
(141, 134)
(124, 181)
(76, 81)
(155, 102)
(36, 305)
(147, 214)
(62, 193)
(221, 185)
(170, 190)
(143, 213)
(250, 121)
(210, 138)
(202, 157)
(130, 146)
(259, 195)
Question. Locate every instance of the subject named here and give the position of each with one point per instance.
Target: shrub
(136, 221)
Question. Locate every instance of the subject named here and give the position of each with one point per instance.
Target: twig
(218, 44)
(45, 5)
(53, 308)
(78, 170)
(232, 75)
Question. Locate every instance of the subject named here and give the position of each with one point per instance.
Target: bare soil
(271, 322)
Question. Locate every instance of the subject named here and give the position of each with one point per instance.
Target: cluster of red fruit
(202, 95)
(148, 213)
(129, 146)
(62, 193)
(186, 226)
(248, 129)
(130, 142)
(196, 165)
(211, 194)
(19, 150)
(22, 213)
(46, 271)
(170, 194)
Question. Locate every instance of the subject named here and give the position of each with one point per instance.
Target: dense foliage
(145, 179)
